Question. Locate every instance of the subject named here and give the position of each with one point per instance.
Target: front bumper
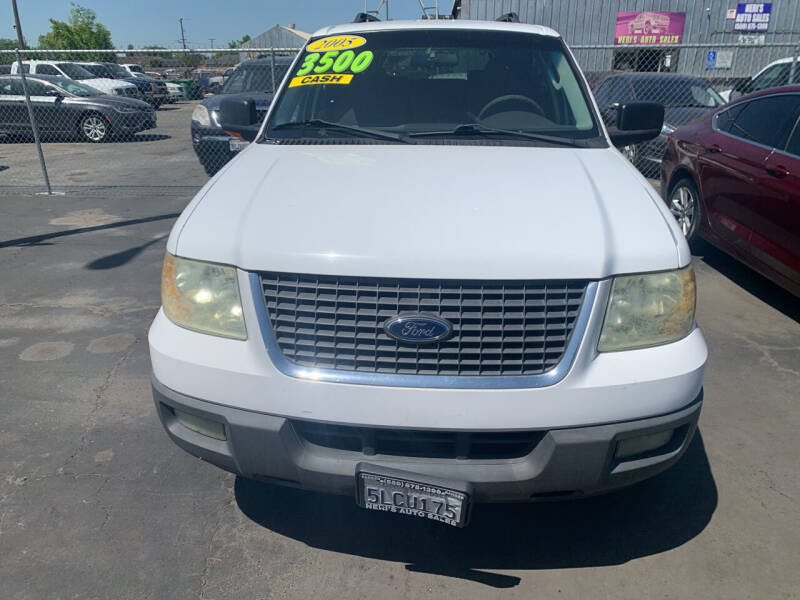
(565, 463)
(133, 122)
(212, 145)
(602, 398)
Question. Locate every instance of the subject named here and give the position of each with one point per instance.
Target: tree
(7, 44)
(80, 31)
(192, 60)
(237, 43)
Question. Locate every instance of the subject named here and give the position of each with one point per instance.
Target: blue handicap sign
(711, 59)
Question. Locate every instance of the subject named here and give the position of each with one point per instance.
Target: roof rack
(509, 17)
(365, 18)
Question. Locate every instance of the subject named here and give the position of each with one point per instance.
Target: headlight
(201, 116)
(203, 297)
(667, 129)
(648, 310)
(125, 109)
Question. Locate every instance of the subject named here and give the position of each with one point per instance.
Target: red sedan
(733, 178)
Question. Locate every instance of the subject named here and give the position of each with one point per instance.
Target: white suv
(431, 281)
(78, 73)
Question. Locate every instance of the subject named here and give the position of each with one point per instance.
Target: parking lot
(96, 502)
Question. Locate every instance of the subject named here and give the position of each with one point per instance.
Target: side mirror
(54, 94)
(238, 116)
(637, 122)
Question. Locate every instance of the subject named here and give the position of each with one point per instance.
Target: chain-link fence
(140, 108)
(125, 117)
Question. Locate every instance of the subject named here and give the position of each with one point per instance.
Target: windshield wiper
(364, 131)
(477, 128)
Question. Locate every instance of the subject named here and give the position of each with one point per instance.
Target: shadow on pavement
(648, 518)
(42, 239)
(140, 137)
(112, 261)
(748, 279)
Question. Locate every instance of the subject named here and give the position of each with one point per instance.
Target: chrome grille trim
(549, 377)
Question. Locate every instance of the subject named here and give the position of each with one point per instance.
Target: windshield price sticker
(336, 42)
(343, 62)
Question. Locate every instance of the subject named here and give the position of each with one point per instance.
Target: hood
(263, 99)
(110, 101)
(101, 83)
(681, 115)
(430, 211)
(139, 83)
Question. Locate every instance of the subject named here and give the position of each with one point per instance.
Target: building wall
(592, 22)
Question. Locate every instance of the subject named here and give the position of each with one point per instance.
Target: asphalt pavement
(97, 503)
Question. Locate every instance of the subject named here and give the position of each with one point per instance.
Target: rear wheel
(684, 203)
(94, 128)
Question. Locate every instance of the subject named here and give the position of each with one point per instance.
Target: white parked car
(78, 73)
(775, 74)
(431, 280)
(175, 91)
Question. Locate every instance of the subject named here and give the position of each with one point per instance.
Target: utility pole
(20, 39)
(183, 35)
(21, 43)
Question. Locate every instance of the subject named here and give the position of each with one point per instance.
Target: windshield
(75, 71)
(98, 71)
(436, 81)
(75, 88)
(254, 78)
(677, 92)
(117, 70)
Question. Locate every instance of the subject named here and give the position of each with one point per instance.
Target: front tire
(94, 128)
(685, 204)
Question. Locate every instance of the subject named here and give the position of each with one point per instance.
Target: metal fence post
(272, 60)
(793, 71)
(33, 123)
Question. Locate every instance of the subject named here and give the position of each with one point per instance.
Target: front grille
(419, 443)
(499, 327)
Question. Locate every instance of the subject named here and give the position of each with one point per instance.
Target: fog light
(643, 443)
(202, 426)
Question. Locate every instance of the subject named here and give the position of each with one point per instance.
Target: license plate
(236, 145)
(393, 491)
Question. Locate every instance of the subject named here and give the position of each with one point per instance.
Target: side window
(7, 87)
(603, 95)
(724, 119)
(793, 145)
(776, 75)
(623, 91)
(36, 88)
(767, 121)
(47, 70)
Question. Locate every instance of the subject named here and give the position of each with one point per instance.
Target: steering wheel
(509, 98)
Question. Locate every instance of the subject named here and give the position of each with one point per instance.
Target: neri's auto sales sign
(649, 28)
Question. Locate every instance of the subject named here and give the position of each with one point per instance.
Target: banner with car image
(649, 28)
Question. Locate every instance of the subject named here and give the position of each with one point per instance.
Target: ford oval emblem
(418, 329)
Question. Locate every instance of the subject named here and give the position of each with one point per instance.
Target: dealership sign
(752, 16)
(649, 28)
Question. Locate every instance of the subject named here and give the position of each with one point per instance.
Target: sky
(155, 22)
